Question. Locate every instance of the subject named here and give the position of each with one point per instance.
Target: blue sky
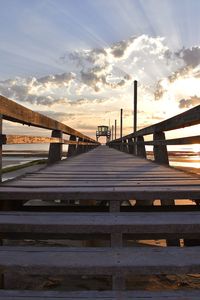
(35, 33)
(76, 60)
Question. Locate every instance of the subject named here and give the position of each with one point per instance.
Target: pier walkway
(91, 196)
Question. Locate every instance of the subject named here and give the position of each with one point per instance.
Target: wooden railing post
(160, 151)
(125, 146)
(55, 150)
(1, 147)
(83, 148)
(130, 146)
(72, 148)
(79, 147)
(141, 151)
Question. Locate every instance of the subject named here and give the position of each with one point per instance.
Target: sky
(76, 60)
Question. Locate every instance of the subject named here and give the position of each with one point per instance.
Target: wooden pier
(90, 196)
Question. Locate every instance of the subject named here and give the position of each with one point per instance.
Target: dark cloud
(159, 90)
(187, 103)
(118, 49)
(191, 56)
(84, 101)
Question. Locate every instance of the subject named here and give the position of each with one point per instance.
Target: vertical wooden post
(115, 129)
(121, 128)
(160, 151)
(55, 150)
(1, 147)
(130, 146)
(125, 146)
(71, 148)
(86, 147)
(135, 115)
(79, 147)
(141, 151)
(121, 122)
(135, 107)
(112, 132)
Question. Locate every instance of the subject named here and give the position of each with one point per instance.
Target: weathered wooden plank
(100, 261)
(15, 112)
(179, 224)
(103, 295)
(105, 183)
(99, 193)
(103, 178)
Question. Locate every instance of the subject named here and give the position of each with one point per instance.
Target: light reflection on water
(191, 164)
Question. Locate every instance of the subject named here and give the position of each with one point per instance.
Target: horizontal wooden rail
(15, 112)
(25, 139)
(179, 141)
(134, 143)
(188, 118)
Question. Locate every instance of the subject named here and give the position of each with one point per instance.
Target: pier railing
(134, 143)
(14, 112)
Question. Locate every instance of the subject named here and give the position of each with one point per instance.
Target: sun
(196, 148)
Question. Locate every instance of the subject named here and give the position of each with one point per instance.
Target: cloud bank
(101, 82)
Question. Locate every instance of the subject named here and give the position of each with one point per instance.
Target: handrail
(134, 142)
(188, 118)
(14, 112)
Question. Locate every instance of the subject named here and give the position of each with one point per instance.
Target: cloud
(100, 82)
(189, 59)
(187, 103)
(191, 56)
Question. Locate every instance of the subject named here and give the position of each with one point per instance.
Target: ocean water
(187, 161)
(10, 161)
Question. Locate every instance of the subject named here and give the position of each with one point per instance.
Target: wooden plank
(102, 183)
(178, 224)
(103, 295)
(15, 112)
(99, 193)
(102, 178)
(100, 261)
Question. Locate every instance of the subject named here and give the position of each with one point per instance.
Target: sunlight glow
(196, 148)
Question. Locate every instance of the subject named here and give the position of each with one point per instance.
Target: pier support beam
(141, 151)
(55, 150)
(160, 151)
(72, 148)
